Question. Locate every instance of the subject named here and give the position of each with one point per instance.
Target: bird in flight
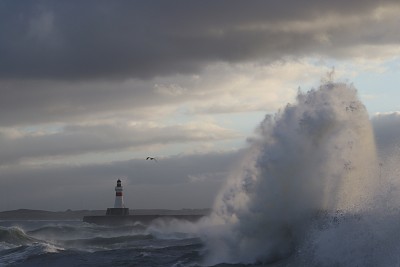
(151, 158)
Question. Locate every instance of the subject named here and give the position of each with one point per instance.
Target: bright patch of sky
(380, 91)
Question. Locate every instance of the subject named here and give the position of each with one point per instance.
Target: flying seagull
(151, 158)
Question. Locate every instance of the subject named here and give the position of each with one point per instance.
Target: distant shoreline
(28, 214)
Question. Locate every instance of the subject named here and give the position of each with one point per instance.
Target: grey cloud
(40, 102)
(75, 139)
(30, 102)
(114, 39)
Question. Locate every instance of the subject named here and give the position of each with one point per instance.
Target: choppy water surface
(73, 243)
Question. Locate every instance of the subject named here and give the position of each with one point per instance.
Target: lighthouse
(119, 206)
(119, 199)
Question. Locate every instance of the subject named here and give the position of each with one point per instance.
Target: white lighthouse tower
(119, 206)
(119, 199)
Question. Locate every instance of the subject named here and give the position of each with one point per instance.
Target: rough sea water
(313, 189)
(74, 243)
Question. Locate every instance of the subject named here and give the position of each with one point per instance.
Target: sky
(91, 88)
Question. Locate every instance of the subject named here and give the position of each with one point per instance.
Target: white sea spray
(316, 155)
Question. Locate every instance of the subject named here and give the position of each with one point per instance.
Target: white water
(315, 155)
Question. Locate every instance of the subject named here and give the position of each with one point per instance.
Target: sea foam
(314, 156)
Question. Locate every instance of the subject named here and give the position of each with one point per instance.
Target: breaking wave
(311, 165)
(16, 246)
(15, 236)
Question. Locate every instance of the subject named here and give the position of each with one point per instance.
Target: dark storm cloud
(31, 102)
(104, 39)
(94, 184)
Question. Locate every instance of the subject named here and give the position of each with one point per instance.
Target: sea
(338, 239)
(75, 243)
